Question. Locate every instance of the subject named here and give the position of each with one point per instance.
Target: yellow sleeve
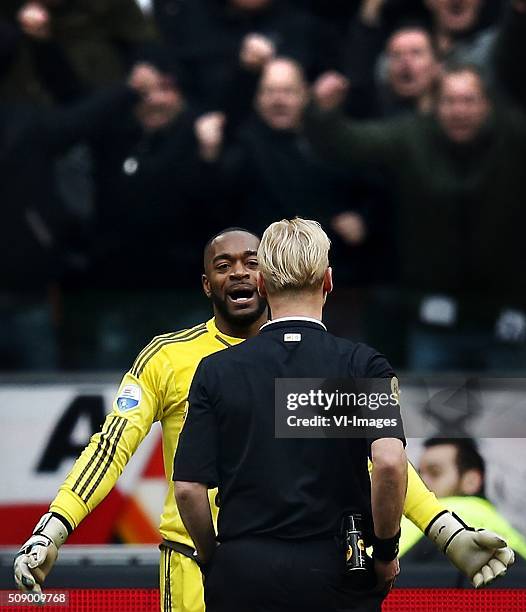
(138, 403)
(421, 505)
(409, 536)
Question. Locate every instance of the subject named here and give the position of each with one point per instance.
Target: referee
(282, 501)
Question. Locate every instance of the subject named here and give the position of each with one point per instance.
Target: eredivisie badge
(129, 398)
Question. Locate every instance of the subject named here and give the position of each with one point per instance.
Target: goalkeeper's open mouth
(242, 295)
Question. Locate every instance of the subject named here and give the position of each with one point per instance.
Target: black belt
(183, 549)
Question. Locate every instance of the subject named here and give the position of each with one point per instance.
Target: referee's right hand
(386, 573)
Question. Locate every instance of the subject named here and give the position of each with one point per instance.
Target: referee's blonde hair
(293, 255)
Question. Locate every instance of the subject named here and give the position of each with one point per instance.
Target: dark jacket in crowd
(460, 207)
(100, 39)
(9, 39)
(266, 175)
(206, 37)
(147, 199)
(34, 221)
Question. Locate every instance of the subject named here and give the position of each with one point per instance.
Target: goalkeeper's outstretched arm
(90, 480)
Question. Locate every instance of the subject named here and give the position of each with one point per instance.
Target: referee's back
(284, 488)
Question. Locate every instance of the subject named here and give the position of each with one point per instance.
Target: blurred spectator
(270, 171)
(411, 74)
(218, 43)
(147, 187)
(150, 211)
(144, 158)
(460, 189)
(100, 39)
(363, 46)
(384, 37)
(52, 75)
(454, 470)
(37, 229)
(412, 71)
(460, 35)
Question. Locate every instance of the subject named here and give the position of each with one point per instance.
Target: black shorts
(271, 575)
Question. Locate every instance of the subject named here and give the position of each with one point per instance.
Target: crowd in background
(131, 132)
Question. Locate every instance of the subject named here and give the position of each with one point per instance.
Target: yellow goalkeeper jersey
(156, 389)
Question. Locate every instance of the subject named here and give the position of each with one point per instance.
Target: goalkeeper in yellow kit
(156, 389)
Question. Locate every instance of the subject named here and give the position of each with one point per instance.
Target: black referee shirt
(285, 488)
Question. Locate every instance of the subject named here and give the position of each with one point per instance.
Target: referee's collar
(290, 321)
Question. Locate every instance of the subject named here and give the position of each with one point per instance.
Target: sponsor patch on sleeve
(129, 398)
